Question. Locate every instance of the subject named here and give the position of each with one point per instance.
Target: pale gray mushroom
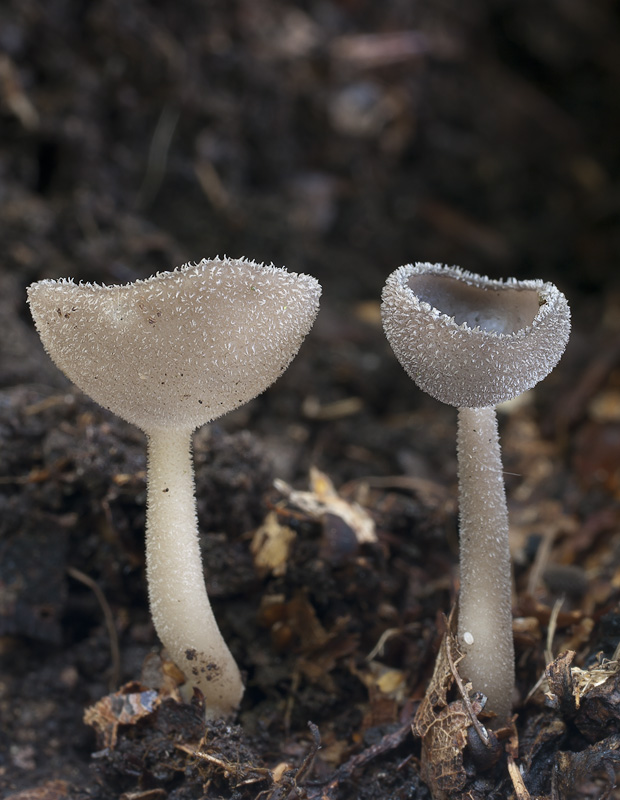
(473, 342)
(169, 354)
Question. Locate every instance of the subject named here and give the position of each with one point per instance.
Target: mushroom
(169, 354)
(473, 342)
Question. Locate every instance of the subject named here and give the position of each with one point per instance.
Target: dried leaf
(595, 677)
(447, 728)
(386, 692)
(442, 750)
(324, 499)
(303, 620)
(271, 546)
(126, 707)
(437, 693)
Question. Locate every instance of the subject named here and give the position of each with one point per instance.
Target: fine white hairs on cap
(470, 341)
(180, 348)
(169, 354)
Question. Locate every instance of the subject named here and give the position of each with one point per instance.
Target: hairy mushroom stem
(178, 598)
(485, 615)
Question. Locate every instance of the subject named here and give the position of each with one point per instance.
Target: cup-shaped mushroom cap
(181, 348)
(470, 341)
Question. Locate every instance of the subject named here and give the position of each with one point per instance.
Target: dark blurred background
(338, 137)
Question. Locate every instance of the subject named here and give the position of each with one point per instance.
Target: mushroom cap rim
(465, 366)
(546, 291)
(169, 274)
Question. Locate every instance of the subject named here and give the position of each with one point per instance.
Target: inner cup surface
(497, 309)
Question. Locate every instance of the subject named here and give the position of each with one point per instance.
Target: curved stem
(485, 601)
(180, 607)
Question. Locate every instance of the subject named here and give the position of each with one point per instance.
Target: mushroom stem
(485, 602)
(180, 607)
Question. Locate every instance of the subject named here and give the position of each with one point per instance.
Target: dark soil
(340, 138)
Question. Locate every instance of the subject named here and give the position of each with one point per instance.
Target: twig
(383, 639)
(115, 656)
(521, 792)
(553, 624)
(158, 155)
(389, 742)
(306, 764)
(551, 629)
(540, 562)
(478, 727)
